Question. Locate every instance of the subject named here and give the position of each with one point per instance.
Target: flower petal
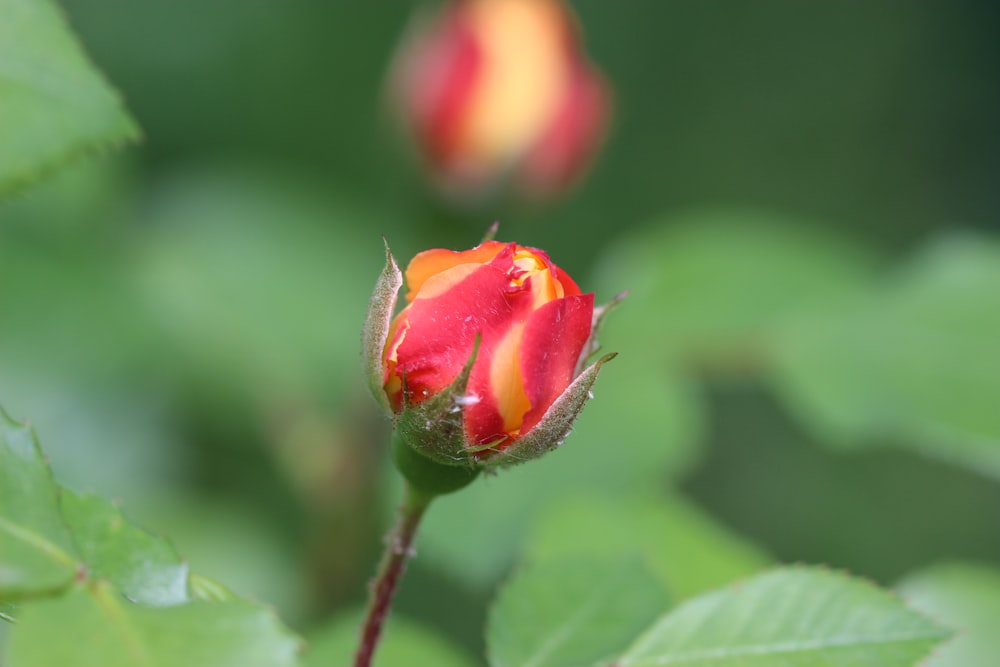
(441, 330)
(506, 382)
(437, 70)
(561, 152)
(433, 262)
(554, 337)
(570, 288)
(555, 425)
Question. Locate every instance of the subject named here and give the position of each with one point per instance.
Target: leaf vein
(786, 647)
(574, 622)
(44, 545)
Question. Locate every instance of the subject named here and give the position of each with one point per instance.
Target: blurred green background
(802, 198)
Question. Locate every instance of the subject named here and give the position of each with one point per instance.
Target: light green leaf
(689, 551)
(55, 104)
(144, 567)
(967, 597)
(572, 613)
(404, 643)
(94, 626)
(36, 551)
(793, 617)
(917, 364)
(708, 286)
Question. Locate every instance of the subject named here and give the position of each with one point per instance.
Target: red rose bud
(491, 88)
(484, 366)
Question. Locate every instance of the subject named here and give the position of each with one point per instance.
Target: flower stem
(398, 547)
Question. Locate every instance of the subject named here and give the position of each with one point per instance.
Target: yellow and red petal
(436, 72)
(562, 152)
(506, 384)
(570, 287)
(432, 262)
(443, 328)
(553, 339)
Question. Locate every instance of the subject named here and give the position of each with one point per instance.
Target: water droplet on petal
(470, 399)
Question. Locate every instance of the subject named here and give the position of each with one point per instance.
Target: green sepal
(601, 313)
(491, 232)
(429, 477)
(376, 330)
(556, 423)
(436, 427)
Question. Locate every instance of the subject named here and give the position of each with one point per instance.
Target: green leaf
(404, 643)
(144, 567)
(689, 551)
(917, 364)
(966, 596)
(94, 626)
(572, 613)
(793, 617)
(36, 551)
(708, 286)
(56, 105)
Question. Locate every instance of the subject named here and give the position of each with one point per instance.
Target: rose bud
(498, 89)
(485, 365)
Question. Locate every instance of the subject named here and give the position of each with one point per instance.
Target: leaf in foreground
(793, 617)
(55, 104)
(36, 550)
(94, 626)
(144, 567)
(572, 613)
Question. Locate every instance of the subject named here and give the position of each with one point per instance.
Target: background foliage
(801, 199)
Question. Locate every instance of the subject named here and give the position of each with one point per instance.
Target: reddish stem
(398, 547)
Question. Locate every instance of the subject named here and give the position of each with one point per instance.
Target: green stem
(398, 547)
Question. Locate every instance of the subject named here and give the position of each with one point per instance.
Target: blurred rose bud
(484, 366)
(497, 89)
